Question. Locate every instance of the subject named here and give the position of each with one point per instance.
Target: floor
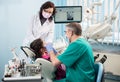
(111, 80)
(112, 66)
(106, 48)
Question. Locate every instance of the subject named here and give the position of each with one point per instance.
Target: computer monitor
(67, 14)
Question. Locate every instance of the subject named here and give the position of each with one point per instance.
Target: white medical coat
(45, 31)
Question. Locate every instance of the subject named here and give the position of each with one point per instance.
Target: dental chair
(28, 52)
(99, 70)
(47, 69)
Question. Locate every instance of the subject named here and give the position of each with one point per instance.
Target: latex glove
(49, 47)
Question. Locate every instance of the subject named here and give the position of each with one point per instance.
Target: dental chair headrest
(28, 51)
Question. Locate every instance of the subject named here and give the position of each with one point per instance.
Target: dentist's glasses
(65, 31)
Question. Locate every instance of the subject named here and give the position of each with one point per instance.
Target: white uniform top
(45, 31)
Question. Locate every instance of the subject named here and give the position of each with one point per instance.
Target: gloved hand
(49, 47)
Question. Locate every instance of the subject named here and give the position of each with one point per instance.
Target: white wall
(15, 17)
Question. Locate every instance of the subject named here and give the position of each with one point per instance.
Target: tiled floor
(111, 65)
(111, 80)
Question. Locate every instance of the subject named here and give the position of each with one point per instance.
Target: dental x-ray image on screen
(70, 15)
(67, 14)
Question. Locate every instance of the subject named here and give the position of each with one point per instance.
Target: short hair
(36, 45)
(75, 27)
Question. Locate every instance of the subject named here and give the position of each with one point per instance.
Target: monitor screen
(67, 14)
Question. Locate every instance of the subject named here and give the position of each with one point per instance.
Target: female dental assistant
(42, 25)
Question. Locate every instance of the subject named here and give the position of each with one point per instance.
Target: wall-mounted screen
(67, 14)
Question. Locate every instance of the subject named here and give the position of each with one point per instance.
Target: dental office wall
(15, 16)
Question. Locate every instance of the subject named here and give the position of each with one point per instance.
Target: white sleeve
(51, 33)
(30, 35)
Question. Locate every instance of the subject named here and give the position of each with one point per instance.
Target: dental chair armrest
(47, 69)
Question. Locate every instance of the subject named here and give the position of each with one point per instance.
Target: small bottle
(23, 68)
(6, 70)
(15, 57)
(7, 73)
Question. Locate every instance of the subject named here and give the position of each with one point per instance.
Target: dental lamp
(90, 11)
(102, 29)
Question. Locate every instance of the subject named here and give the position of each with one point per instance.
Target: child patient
(41, 52)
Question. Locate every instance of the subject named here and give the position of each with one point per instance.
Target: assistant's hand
(49, 47)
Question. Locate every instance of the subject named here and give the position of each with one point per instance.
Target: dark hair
(47, 5)
(36, 45)
(76, 28)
